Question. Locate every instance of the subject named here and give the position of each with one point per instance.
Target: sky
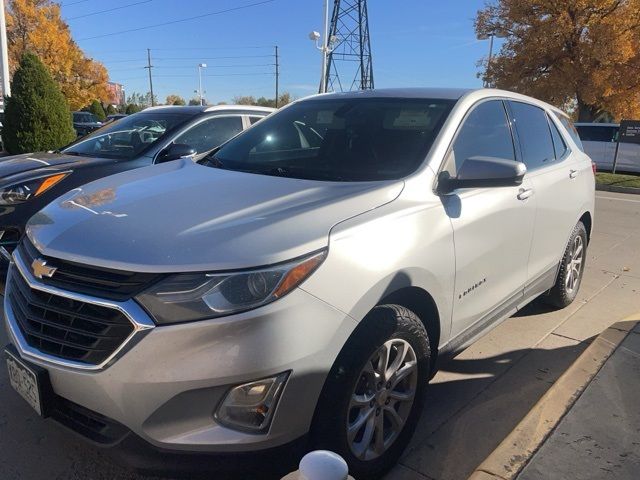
(414, 43)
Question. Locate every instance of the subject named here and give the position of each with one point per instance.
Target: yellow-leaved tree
(583, 55)
(36, 26)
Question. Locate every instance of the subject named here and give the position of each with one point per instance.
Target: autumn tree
(37, 115)
(36, 26)
(174, 99)
(582, 55)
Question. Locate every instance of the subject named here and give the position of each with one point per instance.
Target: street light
(200, 67)
(490, 36)
(325, 45)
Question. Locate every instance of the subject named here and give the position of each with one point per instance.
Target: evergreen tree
(37, 115)
(97, 110)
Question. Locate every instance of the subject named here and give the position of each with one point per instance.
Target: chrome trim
(141, 322)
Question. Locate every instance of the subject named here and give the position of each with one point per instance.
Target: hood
(180, 216)
(12, 167)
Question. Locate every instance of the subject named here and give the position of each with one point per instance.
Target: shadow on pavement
(474, 403)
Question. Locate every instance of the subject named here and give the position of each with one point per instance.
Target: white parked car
(301, 282)
(599, 141)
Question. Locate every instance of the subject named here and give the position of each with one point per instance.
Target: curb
(613, 188)
(515, 451)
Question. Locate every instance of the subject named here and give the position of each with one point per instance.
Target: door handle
(573, 173)
(524, 194)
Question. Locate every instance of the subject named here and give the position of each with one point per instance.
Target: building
(116, 93)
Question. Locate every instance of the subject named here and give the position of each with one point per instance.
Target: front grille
(95, 281)
(87, 423)
(66, 328)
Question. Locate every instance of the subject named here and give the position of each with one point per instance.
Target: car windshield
(127, 137)
(84, 117)
(354, 139)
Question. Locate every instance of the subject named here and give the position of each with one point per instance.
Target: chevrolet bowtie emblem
(41, 269)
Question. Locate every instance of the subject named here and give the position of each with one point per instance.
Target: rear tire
(569, 277)
(374, 394)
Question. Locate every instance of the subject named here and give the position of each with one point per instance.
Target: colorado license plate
(24, 381)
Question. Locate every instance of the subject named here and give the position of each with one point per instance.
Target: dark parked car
(114, 117)
(28, 182)
(85, 122)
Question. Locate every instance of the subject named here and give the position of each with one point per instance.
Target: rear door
(556, 177)
(492, 226)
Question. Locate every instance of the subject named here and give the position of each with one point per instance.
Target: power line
(215, 75)
(110, 9)
(73, 3)
(172, 22)
(214, 58)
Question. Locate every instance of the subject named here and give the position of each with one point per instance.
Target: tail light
(593, 167)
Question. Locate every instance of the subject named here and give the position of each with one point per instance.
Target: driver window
(485, 133)
(210, 133)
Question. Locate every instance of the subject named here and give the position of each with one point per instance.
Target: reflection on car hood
(180, 216)
(38, 163)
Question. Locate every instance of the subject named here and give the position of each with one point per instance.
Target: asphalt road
(475, 401)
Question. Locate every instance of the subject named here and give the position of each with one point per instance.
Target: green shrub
(132, 108)
(111, 110)
(37, 115)
(97, 110)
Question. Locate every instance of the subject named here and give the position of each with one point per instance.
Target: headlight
(21, 192)
(197, 296)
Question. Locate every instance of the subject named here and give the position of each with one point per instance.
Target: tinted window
(253, 120)
(568, 125)
(127, 137)
(345, 139)
(484, 133)
(211, 133)
(559, 144)
(592, 133)
(84, 117)
(534, 135)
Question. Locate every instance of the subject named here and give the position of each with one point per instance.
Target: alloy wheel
(574, 267)
(382, 399)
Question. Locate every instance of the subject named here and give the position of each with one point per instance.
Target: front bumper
(166, 388)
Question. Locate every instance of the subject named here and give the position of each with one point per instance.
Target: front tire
(374, 394)
(569, 277)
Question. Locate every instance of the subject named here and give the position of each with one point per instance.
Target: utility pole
(149, 66)
(277, 75)
(325, 48)
(4, 55)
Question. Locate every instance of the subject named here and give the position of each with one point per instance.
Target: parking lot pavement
(474, 402)
(480, 396)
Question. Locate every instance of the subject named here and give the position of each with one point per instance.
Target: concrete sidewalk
(600, 436)
(587, 426)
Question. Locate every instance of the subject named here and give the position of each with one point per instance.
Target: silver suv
(303, 280)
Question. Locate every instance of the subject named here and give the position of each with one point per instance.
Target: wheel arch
(587, 221)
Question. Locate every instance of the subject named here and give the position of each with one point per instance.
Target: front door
(492, 226)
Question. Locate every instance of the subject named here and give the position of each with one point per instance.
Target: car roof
(440, 93)
(473, 94)
(195, 109)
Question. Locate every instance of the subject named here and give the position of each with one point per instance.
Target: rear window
(571, 129)
(534, 134)
(359, 139)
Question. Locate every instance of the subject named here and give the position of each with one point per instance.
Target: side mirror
(481, 172)
(176, 151)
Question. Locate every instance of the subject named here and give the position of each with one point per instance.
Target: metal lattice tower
(351, 59)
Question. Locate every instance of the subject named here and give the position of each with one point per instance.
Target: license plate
(24, 380)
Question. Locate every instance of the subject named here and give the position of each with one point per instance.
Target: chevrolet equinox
(302, 280)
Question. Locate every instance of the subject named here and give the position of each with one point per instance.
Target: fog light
(250, 406)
